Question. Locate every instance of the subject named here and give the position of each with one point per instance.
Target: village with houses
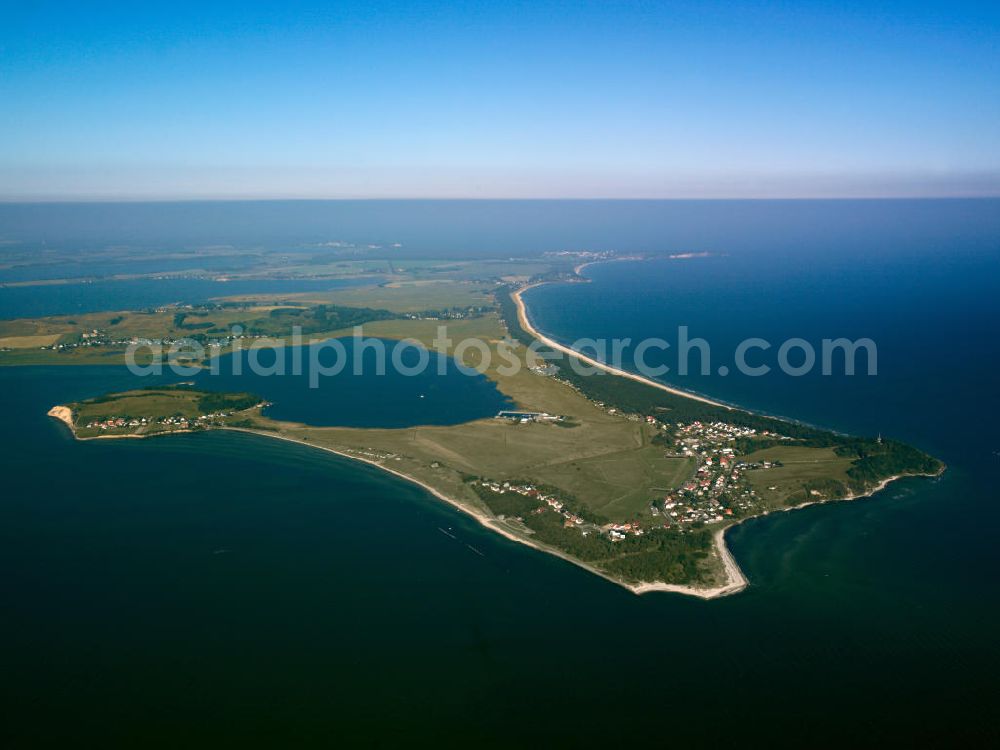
(525, 417)
(547, 501)
(147, 425)
(99, 338)
(717, 491)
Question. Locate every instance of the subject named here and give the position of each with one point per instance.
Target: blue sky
(477, 99)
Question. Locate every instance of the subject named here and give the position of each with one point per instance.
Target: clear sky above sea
(506, 99)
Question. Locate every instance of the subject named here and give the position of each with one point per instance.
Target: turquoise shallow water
(226, 589)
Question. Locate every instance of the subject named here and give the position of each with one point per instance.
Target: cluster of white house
(694, 435)
(117, 422)
(719, 484)
(618, 531)
(371, 454)
(529, 416)
(111, 423)
(93, 337)
(97, 338)
(718, 490)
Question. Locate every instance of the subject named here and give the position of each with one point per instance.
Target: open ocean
(228, 589)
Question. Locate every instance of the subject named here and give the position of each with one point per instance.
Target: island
(629, 478)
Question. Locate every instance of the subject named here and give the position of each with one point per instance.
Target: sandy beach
(735, 580)
(522, 316)
(64, 414)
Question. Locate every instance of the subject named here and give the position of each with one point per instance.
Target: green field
(140, 403)
(618, 485)
(605, 464)
(806, 474)
(140, 324)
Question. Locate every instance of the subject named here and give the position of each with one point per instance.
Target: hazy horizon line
(38, 200)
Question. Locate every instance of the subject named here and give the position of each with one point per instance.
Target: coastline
(65, 415)
(617, 259)
(735, 579)
(522, 317)
(494, 525)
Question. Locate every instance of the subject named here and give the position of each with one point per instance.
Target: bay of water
(230, 589)
(369, 391)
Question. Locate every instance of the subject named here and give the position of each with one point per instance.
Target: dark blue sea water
(933, 324)
(227, 589)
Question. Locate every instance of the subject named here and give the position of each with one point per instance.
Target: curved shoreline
(735, 579)
(64, 415)
(493, 524)
(522, 318)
